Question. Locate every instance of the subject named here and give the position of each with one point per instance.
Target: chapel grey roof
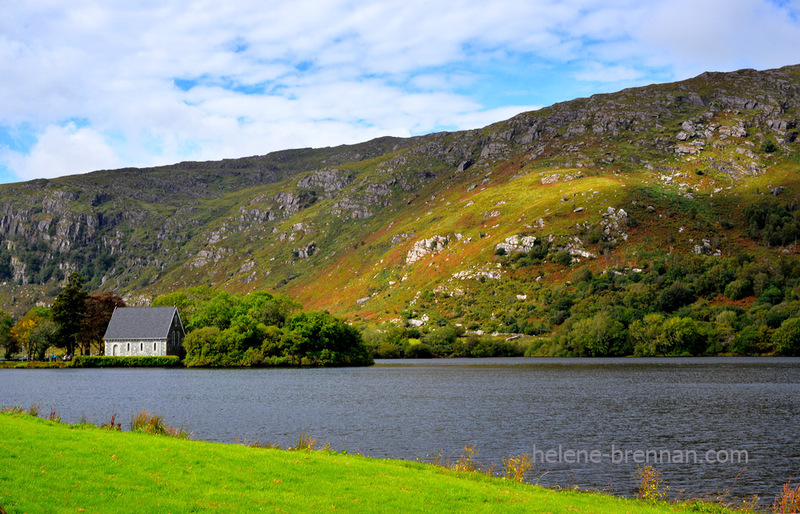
(140, 323)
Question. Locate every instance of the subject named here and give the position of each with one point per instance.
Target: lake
(587, 422)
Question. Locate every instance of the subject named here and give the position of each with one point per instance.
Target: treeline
(672, 306)
(223, 329)
(397, 342)
(260, 329)
(76, 321)
(679, 305)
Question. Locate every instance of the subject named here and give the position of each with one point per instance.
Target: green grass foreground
(46, 466)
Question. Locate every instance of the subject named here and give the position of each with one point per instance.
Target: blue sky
(89, 85)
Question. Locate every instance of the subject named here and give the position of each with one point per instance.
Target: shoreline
(91, 468)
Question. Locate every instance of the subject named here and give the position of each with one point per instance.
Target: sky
(88, 85)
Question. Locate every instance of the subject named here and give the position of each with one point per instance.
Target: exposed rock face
(306, 251)
(552, 178)
(249, 217)
(480, 272)
(208, 256)
(516, 244)
(399, 238)
(425, 247)
(329, 181)
(351, 208)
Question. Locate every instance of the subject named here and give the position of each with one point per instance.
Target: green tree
(69, 310)
(597, 336)
(645, 333)
(441, 340)
(319, 338)
(676, 296)
(7, 342)
(787, 338)
(681, 335)
(42, 337)
(6, 270)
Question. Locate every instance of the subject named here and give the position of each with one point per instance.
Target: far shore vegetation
(679, 306)
(155, 467)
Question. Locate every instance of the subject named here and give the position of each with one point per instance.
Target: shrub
(418, 351)
(650, 488)
(771, 296)
(154, 424)
(387, 351)
(563, 257)
(788, 500)
(516, 468)
(738, 289)
(769, 146)
(676, 296)
(486, 347)
(87, 361)
(442, 339)
(748, 341)
(787, 338)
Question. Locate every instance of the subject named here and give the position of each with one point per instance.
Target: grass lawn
(50, 467)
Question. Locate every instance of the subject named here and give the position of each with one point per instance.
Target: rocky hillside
(395, 227)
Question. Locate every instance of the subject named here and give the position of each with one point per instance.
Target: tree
(787, 338)
(645, 333)
(597, 336)
(676, 296)
(24, 328)
(99, 308)
(42, 337)
(680, 336)
(6, 341)
(6, 270)
(69, 309)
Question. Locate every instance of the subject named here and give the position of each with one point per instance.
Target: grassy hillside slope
(376, 230)
(49, 467)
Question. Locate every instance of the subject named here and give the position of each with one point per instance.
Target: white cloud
(598, 72)
(336, 71)
(62, 151)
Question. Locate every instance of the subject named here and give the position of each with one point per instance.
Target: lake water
(418, 409)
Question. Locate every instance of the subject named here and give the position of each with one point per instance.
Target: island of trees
(223, 329)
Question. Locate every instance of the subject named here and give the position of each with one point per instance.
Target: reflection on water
(411, 409)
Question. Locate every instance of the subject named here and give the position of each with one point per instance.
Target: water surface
(419, 409)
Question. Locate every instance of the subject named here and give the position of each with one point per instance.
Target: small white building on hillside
(144, 331)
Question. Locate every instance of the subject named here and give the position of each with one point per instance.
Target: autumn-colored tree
(99, 308)
(25, 328)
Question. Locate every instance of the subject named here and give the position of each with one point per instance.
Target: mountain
(456, 226)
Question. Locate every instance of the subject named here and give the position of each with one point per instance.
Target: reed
(650, 486)
(305, 442)
(517, 467)
(788, 501)
(111, 425)
(154, 424)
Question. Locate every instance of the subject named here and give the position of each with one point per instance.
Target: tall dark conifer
(69, 310)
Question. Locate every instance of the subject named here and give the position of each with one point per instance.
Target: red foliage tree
(99, 308)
